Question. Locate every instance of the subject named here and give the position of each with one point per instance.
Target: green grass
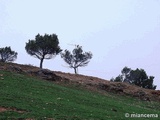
(43, 99)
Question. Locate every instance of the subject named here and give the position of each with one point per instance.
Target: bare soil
(3, 109)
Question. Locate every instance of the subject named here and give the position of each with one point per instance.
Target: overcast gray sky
(119, 33)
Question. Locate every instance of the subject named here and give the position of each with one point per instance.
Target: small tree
(117, 79)
(77, 58)
(7, 55)
(125, 74)
(43, 47)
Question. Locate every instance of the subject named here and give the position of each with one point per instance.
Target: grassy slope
(43, 99)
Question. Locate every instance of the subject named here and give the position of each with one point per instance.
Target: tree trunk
(75, 70)
(41, 62)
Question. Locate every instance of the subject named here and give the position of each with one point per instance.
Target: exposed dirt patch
(89, 82)
(3, 109)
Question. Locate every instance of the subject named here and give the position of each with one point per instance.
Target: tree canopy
(7, 55)
(43, 47)
(138, 77)
(77, 58)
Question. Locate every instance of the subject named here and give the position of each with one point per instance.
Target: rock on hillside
(89, 82)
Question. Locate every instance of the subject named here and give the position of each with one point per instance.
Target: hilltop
(88, 82)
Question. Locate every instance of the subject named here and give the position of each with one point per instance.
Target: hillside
(30, 93)
(89, 82)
